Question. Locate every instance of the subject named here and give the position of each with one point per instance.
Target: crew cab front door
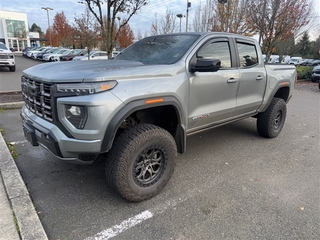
(212, 97)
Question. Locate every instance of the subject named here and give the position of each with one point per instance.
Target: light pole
(48, 9)
(180, 16)
(187, 15)
(119, 18)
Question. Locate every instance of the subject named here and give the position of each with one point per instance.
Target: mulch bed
(11, 97)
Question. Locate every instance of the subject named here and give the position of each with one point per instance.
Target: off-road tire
(141, 162)
(12, 69)
(270, 122)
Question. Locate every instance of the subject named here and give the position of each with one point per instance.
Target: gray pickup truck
(135, 111)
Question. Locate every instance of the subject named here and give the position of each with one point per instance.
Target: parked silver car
(93, 55)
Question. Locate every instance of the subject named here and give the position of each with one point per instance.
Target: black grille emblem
(33, 90)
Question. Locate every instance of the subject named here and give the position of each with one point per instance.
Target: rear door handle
(259, 78)
(232, 80)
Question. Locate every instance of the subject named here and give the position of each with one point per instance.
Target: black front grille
(38, 97)
(4, 56)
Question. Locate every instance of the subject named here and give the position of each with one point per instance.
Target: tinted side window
(217, 50)
(247, 54)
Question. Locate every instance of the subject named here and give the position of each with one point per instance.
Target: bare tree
(168, 24)
(154, 30)
(203, 18)
(114, 7)
(222, 16)
(86, 30)
(280, 20)
(139, 35)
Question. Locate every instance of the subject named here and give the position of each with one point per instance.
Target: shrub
(304, 72)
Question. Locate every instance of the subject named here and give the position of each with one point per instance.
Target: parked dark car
(49, 50)
(305, 62)
(26, 50)
(315, 76)
(69, 57)
(314, 63)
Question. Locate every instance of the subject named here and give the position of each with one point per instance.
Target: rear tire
(270, 122)
(141, 162)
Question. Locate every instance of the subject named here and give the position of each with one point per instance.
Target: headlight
(76, 115)
(11, 56)
(86, 88)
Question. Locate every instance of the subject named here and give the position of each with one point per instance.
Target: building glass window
(16, 28)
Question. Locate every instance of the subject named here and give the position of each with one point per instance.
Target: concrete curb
(22, 209)
(11, 105)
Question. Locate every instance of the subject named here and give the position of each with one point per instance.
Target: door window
(217, 50)
(247, 54)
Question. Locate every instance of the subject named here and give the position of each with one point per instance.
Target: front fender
(136, 105)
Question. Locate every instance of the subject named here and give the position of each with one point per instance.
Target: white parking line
(19, 142)
(126, 224)
(133, 221)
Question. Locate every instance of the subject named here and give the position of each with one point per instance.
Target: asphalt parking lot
(230, 184)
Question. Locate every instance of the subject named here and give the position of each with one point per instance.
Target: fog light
(75, 110)
(76, 115)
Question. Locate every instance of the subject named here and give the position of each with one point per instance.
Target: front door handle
(232, 80)
(259, 78)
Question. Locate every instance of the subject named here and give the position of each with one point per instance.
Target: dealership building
(14, 31)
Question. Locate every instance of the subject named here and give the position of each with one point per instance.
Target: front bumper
(40, 132)
(7, 63)
(316, 77)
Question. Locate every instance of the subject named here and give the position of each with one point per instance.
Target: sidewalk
(18, 217)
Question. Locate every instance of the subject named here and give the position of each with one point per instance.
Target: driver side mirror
(206, 65)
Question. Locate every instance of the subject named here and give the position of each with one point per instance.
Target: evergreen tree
(36, 28)
(304, 45)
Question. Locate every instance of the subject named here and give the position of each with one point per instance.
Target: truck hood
(97, 70)
(5, 51)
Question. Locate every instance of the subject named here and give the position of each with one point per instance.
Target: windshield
(164, 49)
(91, 53)
(4, 47)
(77, 51)
(62, 51)
(55, 51)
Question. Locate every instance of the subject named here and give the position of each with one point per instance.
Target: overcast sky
(141, 21)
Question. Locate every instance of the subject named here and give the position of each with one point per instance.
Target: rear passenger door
(252, 81)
